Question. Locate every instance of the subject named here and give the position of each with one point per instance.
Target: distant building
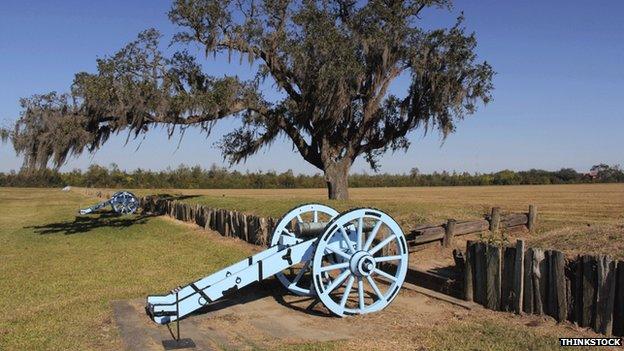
(593, 174)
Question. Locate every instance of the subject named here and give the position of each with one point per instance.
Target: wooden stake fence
(587, 290)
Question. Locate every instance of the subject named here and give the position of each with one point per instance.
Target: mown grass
(558, 205)
(488, 334)
(59, 275)
(603, 239)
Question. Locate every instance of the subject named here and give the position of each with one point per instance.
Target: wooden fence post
(572, 278)
(495, 219)
(528, 282)
(588, 294)
(507, 278)
(532, 218)
(493, 278)
(578, 291)
(618, 313)
(480, 273)
(448, 233)
(558, 303)
(518, 277)
(540, 277)
(468, 271)
(605, 296)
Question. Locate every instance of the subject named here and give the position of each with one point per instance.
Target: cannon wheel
(124, 202)
(303, 214)
(371, 263)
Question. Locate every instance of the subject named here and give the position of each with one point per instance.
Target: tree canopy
(334, 60)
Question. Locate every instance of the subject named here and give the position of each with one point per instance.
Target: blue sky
(557, 101)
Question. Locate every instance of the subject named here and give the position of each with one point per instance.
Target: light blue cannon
(355, 262)
(122, 202)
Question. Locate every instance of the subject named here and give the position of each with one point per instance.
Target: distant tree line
(216, 177)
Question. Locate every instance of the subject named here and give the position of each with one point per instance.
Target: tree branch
(278, 70)
(309, 153)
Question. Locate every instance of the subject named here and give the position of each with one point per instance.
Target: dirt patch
(262, 316)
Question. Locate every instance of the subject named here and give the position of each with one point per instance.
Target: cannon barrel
(94, 208)
(311, 229)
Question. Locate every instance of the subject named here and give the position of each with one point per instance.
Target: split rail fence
(495, 221)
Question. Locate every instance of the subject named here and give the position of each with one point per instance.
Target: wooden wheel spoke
(372, 236)
(335, 266)
(387, 258)
(383, 243)
(346, 239)
(374, 286)
(384, 274)
(338, 252)
(334, 284)
(359, 233)
(361, 303)
(347, 292)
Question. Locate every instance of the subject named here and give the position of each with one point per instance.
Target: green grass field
(60, 273)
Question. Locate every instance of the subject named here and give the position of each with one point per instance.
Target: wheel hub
(362, 264)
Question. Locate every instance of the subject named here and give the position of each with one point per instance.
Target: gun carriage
(354, 262)
(122, 202)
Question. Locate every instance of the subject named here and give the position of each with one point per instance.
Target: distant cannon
(122, 202)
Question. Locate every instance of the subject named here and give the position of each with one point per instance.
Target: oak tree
(333, 60)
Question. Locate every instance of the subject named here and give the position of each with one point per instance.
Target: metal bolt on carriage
(355, 262)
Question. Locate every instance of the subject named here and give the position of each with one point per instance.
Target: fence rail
(587, 290)
(445, 232)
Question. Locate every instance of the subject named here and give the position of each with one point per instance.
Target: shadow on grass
(84, 224)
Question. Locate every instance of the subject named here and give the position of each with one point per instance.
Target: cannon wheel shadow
(270, 287)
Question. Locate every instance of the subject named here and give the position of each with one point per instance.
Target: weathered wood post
(480, 273)
(495, 219)
(540, 278)
(605, 295)
(448, 233)
(588, 294)
(571, 272)
(532, 218)
(493, 278)
(618, 313)
(468, 271)
(518, 277)
(528, 282)
(507, 271)
(558, 303)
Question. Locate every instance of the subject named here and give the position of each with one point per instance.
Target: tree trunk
(337, 178)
